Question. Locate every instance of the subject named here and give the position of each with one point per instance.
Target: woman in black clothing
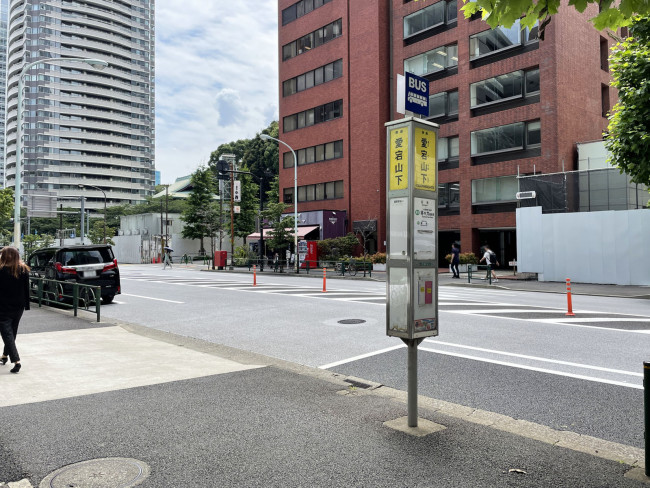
(14, 299)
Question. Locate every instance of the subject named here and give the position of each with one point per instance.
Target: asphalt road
(509, 352)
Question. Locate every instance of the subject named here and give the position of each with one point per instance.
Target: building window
(443, 104)
(314, 154)
(604, 54)
(320, 191)
(604, 99)
(429, 17)
(495, 40)
(518, 84)
(298, 9)
(433, 61)
(511, 137)
(312, 40)
(313, 78)
(449, 195)
(316, 115)
(494, 190)
(447, 148)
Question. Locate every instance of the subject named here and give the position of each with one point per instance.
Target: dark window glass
(338, 189)
(289, 14)
(319, 76)
(452, 11)
(338, 149)
(309, 80)
(532, 81)
(338, 68)
(534, 137)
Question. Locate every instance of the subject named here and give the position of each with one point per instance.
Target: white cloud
(216, 77)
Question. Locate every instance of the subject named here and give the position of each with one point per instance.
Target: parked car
(91, 265)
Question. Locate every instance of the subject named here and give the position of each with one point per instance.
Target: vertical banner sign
(237, 191)
(399, 159)
(425, 159)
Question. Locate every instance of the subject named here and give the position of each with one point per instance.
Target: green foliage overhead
(613, 14)
(628, 137)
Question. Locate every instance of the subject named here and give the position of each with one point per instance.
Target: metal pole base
(412, 382)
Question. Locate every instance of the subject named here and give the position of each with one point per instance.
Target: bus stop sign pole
(412, 240)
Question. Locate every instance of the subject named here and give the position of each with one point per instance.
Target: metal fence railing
(66, 294)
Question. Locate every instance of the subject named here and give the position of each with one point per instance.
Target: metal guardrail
(52, 292)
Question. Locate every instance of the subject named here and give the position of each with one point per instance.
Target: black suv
(91, 265)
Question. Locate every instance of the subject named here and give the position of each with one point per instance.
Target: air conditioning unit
(120, 232)
(136, 232)
(145, 231)
(524, 195)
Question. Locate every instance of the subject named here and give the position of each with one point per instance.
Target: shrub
(468, 258)
(378, 258)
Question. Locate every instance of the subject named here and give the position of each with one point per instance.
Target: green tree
(628, 136)
(613, 14)
(96, 234)
(6, 204)
(198, 224)
(281, 233)
(250, 201)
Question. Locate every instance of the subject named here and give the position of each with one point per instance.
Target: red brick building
(507, 104)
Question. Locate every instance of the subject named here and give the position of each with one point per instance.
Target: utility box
(220, 258)
(412, 223)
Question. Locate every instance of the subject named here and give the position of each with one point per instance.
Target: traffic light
(223, 167)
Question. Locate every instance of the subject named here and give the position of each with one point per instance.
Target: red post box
(220, 258)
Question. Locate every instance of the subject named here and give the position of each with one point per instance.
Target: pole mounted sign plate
(417, 94)
(412, 204)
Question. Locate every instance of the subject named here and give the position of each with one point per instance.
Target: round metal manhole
(98, 473)
(351, 321)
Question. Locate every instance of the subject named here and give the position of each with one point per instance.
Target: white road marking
(151, 298)
(362, 356)
(533, 368)
(595, 319)
(536, 358)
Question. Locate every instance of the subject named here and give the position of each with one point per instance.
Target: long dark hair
(10, 260)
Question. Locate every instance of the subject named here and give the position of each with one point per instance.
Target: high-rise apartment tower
(82, 125)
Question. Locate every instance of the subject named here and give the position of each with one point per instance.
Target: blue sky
(216, 77)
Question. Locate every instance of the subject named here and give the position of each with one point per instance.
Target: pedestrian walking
(14, 299)
(490, 259)
(167, 258)
(455, 260)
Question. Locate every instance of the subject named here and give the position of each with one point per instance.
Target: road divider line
(536, 358)
(534, 368)
(362, 356)
(150, 298)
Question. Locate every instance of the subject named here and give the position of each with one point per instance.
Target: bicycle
(343, 268)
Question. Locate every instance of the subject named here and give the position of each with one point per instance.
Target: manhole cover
(98, 473)
(351, 321)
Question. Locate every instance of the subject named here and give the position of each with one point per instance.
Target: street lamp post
(265, 137)
(98, 188)
(95, 63)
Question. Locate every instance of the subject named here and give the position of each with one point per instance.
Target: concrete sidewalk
(118, 405)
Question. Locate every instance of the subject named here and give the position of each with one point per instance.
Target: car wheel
(108, 299)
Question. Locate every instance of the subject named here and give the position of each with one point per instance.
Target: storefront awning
(302, 232)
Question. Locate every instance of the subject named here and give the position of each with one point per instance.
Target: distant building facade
(4, 9)
(82, 125)
(507, 103)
